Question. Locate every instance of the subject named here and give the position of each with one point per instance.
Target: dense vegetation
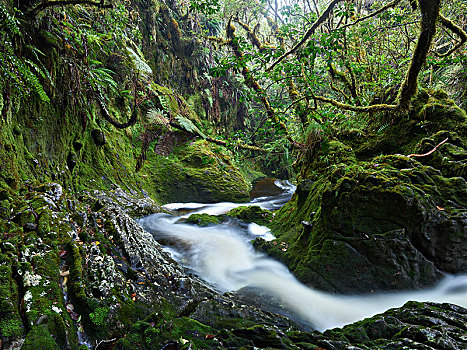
(110, 108)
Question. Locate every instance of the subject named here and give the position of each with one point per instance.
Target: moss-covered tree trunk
(430, 11)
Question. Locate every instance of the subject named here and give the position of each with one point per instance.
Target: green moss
(99, 316)
(195, 173)
(252, 214)
(39, 338)
(203, 219)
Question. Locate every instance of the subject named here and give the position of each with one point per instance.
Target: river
(223, 256)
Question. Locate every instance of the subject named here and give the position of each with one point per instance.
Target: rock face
(82, 268)
(197, 173)
(413, 326)
(360, 221)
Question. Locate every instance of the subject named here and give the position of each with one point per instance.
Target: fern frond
(156, 116)
(188, 125)
(138, 62)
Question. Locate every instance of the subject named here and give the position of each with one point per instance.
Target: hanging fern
(17, 70)
(138, 62)
(188, 125)
(156, 116)
(164, 102)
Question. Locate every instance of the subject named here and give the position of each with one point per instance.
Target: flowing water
(223, 256)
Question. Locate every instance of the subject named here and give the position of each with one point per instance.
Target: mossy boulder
(203, 219)
(196, 173)
(252, 213)
(361, 221)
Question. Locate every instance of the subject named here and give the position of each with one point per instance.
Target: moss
(39, 338)
(10, 321)
(99, 316)
(203, 219)
(252, 214)
(195, 173)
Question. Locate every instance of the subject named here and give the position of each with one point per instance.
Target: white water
(269, 203)
(223, 256)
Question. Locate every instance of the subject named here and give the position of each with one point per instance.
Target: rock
(198, 174)
(265, 187)
(98, 137)
(252, 214)
(203, 219)
(360, 221)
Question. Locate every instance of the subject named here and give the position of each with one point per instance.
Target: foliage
(22, 73)
(99, 316)
(357, 58)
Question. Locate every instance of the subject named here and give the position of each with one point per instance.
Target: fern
(156, 116)
(138, 62)
(15, 69)
(164, 102)
(188, 125)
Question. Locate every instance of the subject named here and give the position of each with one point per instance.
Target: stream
(223, 256)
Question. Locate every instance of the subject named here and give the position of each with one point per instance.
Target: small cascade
(223, 256)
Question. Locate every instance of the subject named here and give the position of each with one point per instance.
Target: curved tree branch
(307, 35)
(448, 24)
(32, 12)
(118, 125)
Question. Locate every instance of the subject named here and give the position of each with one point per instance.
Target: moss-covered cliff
(374, 212)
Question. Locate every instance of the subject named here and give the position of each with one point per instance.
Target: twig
(428, 153)
(105, 341)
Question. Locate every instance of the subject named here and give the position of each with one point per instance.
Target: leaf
(188, 125)
(138, 62)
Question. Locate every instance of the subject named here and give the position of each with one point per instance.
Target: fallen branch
(218, 142)
(428, 153)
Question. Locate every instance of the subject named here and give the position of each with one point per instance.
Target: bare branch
(430, 152)
(307, 35)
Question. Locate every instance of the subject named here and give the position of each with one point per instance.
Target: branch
(43, 5)
(218, 142)
(377, 12)
(371, 108)
(448, 24)
(253, 84)
(428, 153)
(118, 125)
(251, 35)
(310, 31)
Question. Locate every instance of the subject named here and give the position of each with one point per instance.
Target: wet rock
(252, 214)
(98, 137)
(265, 187)
(203, 219)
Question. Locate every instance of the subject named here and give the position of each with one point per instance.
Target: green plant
(100, 315)
(16, 70)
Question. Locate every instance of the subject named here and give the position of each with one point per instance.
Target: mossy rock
(203, 219)
(390, 223)
(195, 173)
(252, 214)
(40, 338)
